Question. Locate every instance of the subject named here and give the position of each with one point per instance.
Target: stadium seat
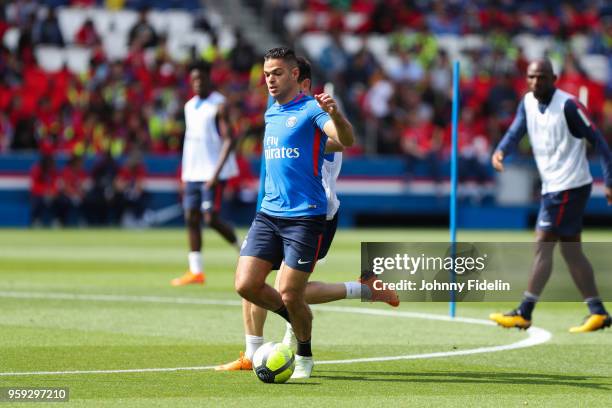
(159, 20)
(50, 58)
(226, 38)
(579, 44)
(70, 20)
(115, 45)
(378, 45)
(294, 22)
(314, 43)
(390, 63)
(472, 41)
(352, 21)
(102, 20)
(11, 38)
(451, 44)
(77, 58)
(214, 19)
(179, 21)
(533, 46)
(352, 43)
(596, 67)
(180, 44)
(123, 20)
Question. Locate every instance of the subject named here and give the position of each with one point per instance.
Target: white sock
(252, 344)
(195, 262)
(353, 290)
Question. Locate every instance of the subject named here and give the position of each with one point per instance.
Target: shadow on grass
(463, 377)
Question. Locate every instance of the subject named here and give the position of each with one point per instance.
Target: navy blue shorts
(206, 199)
(296, 240)
(561, 212)
(328, 238)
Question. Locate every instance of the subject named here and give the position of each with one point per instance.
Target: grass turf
(148, 324)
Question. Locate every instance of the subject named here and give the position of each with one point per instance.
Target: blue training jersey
(262, 167)
(294, 144)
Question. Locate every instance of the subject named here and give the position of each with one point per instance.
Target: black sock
(526, 307)
(283, 312)
(303, 348)
(595, 306)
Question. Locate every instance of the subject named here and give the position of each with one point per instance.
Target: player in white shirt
(316, 292)
(558, 126)
(208, 162)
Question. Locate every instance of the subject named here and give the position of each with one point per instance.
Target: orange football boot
(385, 295)
(242, 363)
(189, 278)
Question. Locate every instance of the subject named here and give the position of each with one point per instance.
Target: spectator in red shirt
(474, 149)
(43, 190)
(131, 197)
(87, 34)
(101, 198)
(73, 182)
(421, 143)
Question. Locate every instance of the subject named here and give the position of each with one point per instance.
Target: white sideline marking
(535, 335)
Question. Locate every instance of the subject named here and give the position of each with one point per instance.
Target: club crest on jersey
(291, 122)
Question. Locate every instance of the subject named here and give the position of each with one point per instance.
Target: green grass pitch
(100, 300)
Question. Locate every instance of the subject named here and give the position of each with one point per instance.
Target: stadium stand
(112, 84)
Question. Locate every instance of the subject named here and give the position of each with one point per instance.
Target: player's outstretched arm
(511, 139)
(338, 128)
(225, 132)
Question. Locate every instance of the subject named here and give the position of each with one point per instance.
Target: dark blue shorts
(296, 240)
(328, 238)
(328, 235)
(206, 199)
(561, 212)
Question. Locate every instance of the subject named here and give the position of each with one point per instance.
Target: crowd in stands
(114, 110)
(112, 193)
(399, 99)
(126, 105)
(403, 95)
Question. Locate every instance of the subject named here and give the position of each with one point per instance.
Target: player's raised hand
(497, 160)
(327, 103)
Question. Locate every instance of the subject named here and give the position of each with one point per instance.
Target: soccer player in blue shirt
(316, 292)
(558, 126)
(290, 224)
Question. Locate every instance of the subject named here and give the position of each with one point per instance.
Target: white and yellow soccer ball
(273, 363)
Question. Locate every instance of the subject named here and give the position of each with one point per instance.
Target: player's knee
(292, 298)
(192, 219)
(571, 251)
(244, 286)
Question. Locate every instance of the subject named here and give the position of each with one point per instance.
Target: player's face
(540, 80)
(281, 79)
(198, 81)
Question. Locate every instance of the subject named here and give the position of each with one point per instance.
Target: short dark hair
(201, 66)
(305, 69)
(284, 53)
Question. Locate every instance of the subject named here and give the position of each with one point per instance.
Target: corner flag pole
(453, 185)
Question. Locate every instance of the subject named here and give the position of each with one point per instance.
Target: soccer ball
(273, 363)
